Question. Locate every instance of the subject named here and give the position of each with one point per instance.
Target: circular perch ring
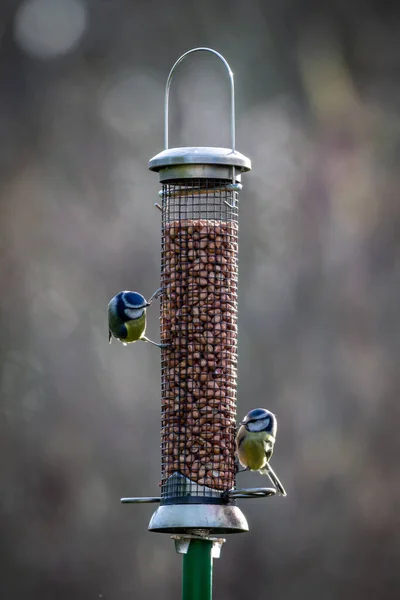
(250, 493)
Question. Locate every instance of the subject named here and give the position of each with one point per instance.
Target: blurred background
(81, 113)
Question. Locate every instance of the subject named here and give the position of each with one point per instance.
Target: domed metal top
(200, 156)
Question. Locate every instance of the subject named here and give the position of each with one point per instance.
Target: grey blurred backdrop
(81, 103)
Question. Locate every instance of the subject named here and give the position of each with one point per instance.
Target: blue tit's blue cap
(133, 299)
(257, 413)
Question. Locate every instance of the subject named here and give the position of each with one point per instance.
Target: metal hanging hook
(168, 86)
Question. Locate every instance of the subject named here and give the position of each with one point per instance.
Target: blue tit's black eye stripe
(267, 419)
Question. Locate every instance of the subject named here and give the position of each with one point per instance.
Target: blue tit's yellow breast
(135, 329)
(251, 449)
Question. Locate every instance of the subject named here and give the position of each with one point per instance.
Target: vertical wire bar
(197, 571)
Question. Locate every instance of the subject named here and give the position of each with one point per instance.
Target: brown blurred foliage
(317, 112)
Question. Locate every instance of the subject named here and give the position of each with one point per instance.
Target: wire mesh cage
(199, 322)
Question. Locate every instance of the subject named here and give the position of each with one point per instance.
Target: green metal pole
(197, 571)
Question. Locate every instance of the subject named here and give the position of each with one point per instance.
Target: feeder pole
(198, 571)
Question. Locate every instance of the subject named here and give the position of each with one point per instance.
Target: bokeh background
(81, 113)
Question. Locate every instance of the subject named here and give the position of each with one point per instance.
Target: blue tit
(255, 442)
(127, 317)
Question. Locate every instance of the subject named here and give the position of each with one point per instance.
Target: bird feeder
(199, 278)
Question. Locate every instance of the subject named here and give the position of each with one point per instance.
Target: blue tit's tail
(268, 470)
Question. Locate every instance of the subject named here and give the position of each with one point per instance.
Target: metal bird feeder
(199, 275)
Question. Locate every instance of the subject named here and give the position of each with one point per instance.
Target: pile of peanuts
(199, 367)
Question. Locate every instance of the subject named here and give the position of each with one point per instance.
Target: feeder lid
(200, 155)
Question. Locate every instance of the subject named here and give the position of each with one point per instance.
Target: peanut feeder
(199, 274)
